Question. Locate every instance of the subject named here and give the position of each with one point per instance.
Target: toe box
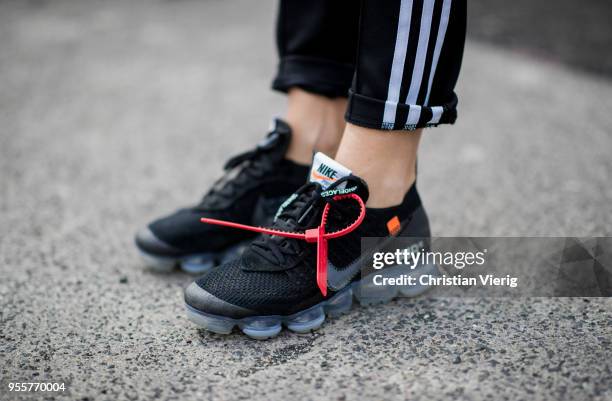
(148, 242)
(202, 300)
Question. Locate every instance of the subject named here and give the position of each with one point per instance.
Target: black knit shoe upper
(254, 185)
(277, 275)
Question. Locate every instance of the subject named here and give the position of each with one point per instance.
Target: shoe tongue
(335, 179)
(326, 170)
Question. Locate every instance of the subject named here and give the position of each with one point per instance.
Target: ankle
(386, 160)
(317, 123)
(388, 191)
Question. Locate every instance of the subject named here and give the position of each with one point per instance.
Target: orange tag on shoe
(394, 226)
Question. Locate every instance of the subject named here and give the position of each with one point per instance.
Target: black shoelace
(301, 213)
(239, 171)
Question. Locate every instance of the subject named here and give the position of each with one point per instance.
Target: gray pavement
(112, 113)
(574, 33)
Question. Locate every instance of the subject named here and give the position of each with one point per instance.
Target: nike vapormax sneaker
(254, 185)
(307, 264)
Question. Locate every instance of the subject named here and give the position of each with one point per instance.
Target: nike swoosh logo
(339, 278)
(318, 176)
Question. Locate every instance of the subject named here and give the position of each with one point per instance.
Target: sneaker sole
(265, 327)
(192, 264)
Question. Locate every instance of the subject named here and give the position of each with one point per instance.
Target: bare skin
(386, 160)
(317, 123)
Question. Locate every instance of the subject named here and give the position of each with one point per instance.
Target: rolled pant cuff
(377, 114)
(322, 77)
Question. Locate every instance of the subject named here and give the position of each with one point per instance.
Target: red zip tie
(317, 235)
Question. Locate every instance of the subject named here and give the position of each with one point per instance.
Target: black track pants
(397, 60)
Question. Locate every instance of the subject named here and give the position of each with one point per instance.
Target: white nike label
(326, 170)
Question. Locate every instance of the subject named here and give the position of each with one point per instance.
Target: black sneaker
(254, 185)
(280, 280)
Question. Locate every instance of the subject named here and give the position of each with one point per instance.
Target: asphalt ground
(112, 113)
